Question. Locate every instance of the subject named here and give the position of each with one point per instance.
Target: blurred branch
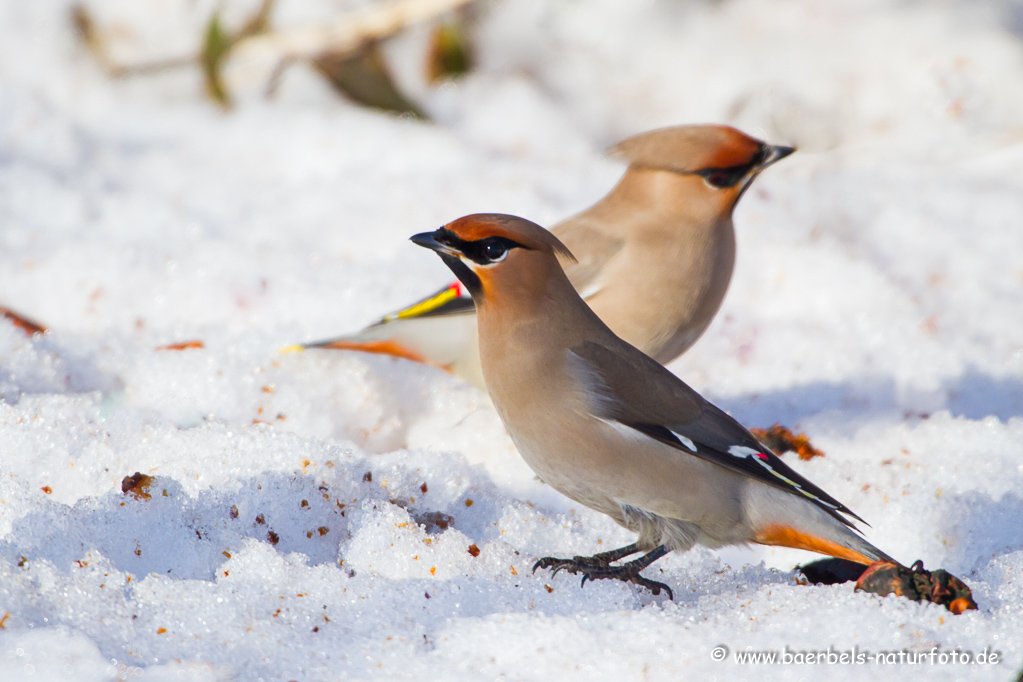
(346, 51)
(257, 23)
(85, 29)
(217, 45)
(348, 33)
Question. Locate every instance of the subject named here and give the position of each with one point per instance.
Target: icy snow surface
(876, 305)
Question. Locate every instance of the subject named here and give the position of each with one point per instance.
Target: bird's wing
(433, 330)
(593, 250)
(437, 330)
(627, 387)
(451, 300)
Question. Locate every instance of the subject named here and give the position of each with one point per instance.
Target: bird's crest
(689, 149)
(528, 234)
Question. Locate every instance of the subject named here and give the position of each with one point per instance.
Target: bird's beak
(774, 154)
(440, 241)
(771, 155)
(428, 240)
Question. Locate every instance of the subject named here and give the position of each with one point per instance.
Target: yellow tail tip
(292, 349)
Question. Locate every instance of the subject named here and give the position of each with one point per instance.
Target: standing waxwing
(654, 257)
(614, 430)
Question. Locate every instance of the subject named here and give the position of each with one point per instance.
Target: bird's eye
(721, 178)
(495, 251)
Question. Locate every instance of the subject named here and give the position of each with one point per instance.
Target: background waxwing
(612, 429)
(654, 257)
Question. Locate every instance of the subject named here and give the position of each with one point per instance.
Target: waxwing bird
(613, 429)
(653, 258)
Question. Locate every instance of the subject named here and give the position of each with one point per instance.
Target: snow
(292, 527)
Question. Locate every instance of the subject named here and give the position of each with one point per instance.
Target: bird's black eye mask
(722, 178)
(481, 251)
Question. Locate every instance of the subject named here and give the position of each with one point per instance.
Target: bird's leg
(578, 563)
(598, 567)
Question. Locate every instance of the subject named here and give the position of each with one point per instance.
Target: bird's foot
(598, 567)
(579, 563)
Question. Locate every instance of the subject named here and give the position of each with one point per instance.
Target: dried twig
(348, 33)
(345, 35)
(86, 30)
(23, 323)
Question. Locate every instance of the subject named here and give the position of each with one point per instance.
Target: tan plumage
(614, 430)
(655, 255)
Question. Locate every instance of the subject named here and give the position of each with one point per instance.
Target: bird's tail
(785, 520)
(851, 546)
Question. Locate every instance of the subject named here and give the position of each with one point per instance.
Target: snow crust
(295, 526)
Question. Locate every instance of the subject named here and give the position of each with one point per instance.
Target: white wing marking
(685, 441)
(743, 451)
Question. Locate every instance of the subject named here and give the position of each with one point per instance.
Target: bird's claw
(545, 562)
(573, 565)
(601, 570)
(629, 575)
